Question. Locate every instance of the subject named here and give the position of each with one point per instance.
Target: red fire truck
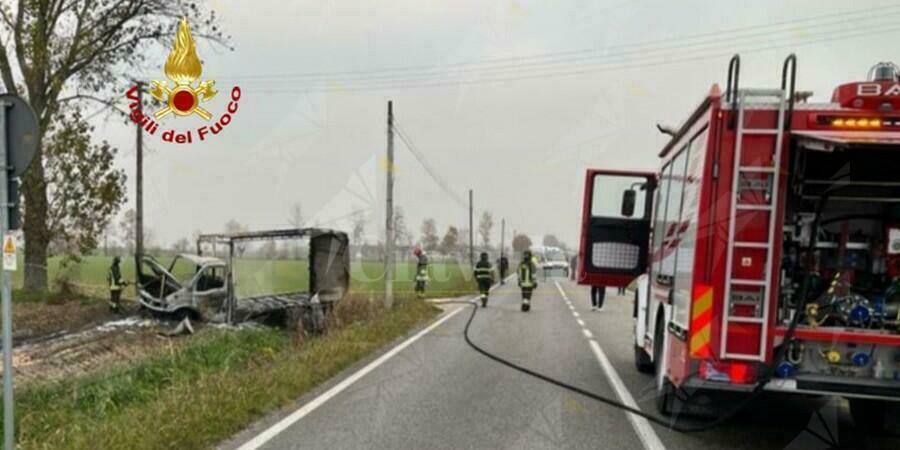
(765, 253)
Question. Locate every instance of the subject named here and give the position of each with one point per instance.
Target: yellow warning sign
(9, 253)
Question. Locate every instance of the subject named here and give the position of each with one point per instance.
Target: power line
(604, 58)
(585, 69)
(639, 48)
(428, 168)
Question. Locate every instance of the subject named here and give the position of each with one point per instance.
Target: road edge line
(266, 435)
(641, 426)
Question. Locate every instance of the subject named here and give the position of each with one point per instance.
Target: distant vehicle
(766, 249)
(203, 287)
(552, 260)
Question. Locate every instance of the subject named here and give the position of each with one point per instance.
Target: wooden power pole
(502, 235)
(389, 214)
(471, 232)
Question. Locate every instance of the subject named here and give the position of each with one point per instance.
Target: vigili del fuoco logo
(182, 95)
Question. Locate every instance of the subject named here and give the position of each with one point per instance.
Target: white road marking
(641, 426)
(580, 322)
(575, 313)
(587, 333)
(260, 439)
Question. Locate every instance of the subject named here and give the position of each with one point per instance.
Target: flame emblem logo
(183, 69)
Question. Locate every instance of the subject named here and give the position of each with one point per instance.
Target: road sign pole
(139, 199)
(6, 290)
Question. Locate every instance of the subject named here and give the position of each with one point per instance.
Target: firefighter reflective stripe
(525, 276)
(422, 275)
(701, 322)
(484, 273)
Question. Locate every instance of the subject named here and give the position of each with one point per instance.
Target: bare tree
(550, 240)
(450, 242)
(86, 188)
(63, 54)
(359, 227)
(521, 242)
(485, 225)
(295, 215)
(126, 230)
(430, 238)
(401, 233)
(234, 227)
(181, 246)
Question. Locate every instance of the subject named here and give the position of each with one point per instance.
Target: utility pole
(471, 232)
(502, 235)
(389, 213)
(139, 196)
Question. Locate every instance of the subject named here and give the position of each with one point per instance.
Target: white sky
(521, 145)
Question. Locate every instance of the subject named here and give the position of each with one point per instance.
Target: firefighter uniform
(484, 275)
(504, 268)
(421, 272)
(114, 278)
(527, 281)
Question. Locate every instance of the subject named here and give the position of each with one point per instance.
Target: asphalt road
(437, 392)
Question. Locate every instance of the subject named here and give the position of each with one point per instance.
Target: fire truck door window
(606, 198)
(684, 270)
(672, 228)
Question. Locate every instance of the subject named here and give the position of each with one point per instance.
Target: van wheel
(868, 415)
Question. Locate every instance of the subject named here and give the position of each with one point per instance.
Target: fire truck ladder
(745, 305)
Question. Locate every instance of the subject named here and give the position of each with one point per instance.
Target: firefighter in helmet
(503, 262)
(116, 283)
(484, 275)
(421, 271)
(527, 280)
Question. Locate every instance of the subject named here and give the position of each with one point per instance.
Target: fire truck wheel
(868, 415)
(665, 390)
(642, 361)
(665, 396)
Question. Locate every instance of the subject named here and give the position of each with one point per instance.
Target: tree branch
(106, 102)
(17, 39)
(6, 70)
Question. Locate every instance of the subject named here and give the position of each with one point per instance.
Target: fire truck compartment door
(828, 141)
(614, 243)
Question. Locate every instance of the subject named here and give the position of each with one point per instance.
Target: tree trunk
(37, 236)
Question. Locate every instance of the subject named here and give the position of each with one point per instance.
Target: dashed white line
(587, 333)
(575, 313)
(580, 322)
(641, 426)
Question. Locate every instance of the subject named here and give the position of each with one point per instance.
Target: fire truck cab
(765, 252)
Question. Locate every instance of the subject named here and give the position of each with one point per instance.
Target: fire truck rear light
(727, 372)
(855, 122)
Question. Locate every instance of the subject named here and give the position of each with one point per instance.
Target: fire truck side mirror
(628, 200)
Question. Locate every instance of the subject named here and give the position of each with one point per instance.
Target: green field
(194, 393)
(256, 276)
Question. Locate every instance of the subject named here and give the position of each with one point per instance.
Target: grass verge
(195, 394)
